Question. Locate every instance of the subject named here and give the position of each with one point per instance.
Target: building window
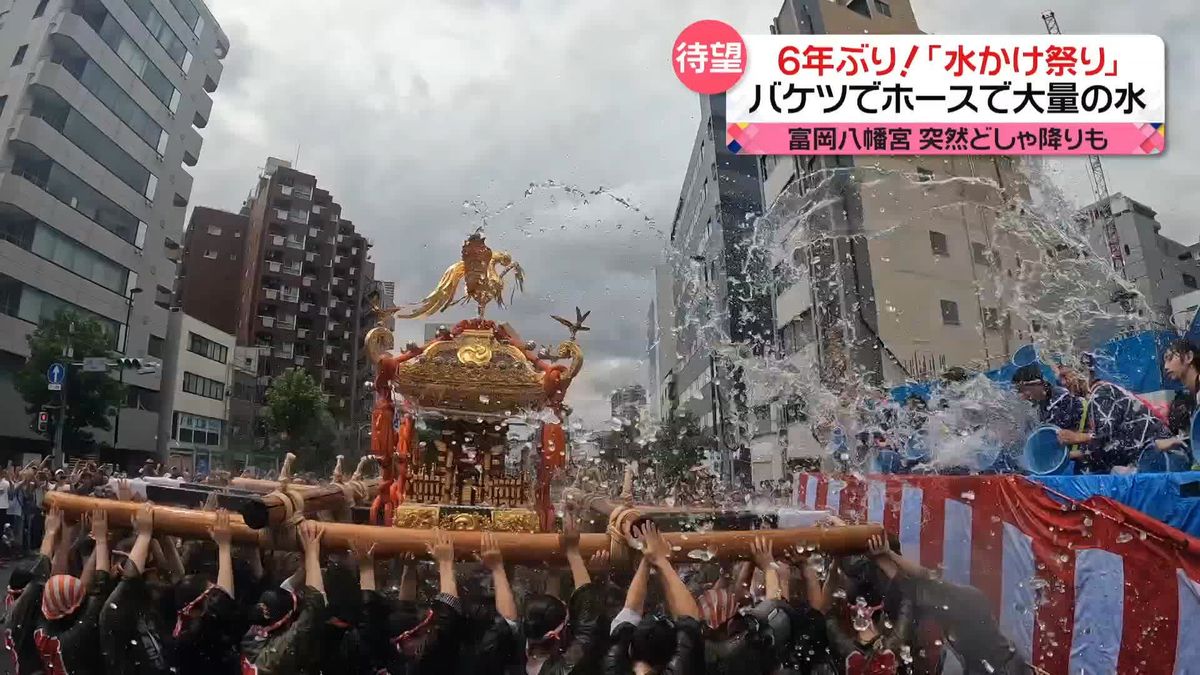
(924, 175)
(949, 312)
(198, 344)
(74, 192)
(210, 254)
(202, 386)
(20, 57)
(155, 347)
(883, 8)
(980, 254)
(237, 234)
(103, 87)
(1189, 281)
(991, 318)
(214, 230)
(29, 233)
(35, 306)
(94, 142)
(127, 49)
(937, 244)
(197, 430)
(41, 8)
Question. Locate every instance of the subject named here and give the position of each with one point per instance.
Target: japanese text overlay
(945, 94)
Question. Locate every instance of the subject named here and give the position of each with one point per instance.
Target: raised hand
(877, 546)
(441, 548)
(489, 552)
(124, 494)
(362, 550)
(54, 520)
(143, 520)
(654, 547)
(310, 535)
(761, 553)
(100, 526)
(221, 532)
(599, 561)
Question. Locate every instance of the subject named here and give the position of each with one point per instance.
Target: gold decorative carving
(515, 520)
(475, 347)
(466, 522)
(416, 517)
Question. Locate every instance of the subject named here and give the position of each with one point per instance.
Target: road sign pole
(58, 454)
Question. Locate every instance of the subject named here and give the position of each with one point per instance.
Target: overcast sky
(404, 110)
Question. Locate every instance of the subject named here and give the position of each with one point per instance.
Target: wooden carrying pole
(278, 507)
(518, 548)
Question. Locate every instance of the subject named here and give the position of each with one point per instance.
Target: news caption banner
(930, 94)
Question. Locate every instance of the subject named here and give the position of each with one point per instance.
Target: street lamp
(121, 369)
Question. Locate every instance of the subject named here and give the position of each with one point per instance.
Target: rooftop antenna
(296, 164)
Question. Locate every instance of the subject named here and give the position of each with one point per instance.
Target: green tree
(295, 410)
(91, 397)
(678, 446)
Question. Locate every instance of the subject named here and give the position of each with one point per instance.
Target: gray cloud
(405, 110)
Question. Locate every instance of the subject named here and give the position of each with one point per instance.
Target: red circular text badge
(709, 57)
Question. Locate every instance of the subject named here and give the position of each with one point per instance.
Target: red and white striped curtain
(1080, 587)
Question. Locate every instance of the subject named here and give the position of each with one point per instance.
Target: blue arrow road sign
(55, 373)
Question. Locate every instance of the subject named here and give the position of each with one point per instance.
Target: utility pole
(57, 452)
(121, 371)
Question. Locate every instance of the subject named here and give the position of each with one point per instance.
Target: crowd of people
(98, 600)
(1107, 427)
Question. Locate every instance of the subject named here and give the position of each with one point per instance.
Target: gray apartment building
(714, 276)
(100, 109)
(1160, 267)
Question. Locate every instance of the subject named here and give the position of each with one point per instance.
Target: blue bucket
(1044, 455)
(886, 461)
(1153, 460)
(1194, 428)
(916, 448)
(1025, 356)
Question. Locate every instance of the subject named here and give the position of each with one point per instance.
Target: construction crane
(1103, 211)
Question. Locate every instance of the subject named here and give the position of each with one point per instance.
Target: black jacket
(71, 645)
(489, 643)
(588, 625)
(291, 649)
(687, 660)
(207, 635)
(342, 651)
(22, 621)
(434, 650)
(130, 637)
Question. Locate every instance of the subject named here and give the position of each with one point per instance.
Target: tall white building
(100, 110)
(198, 389)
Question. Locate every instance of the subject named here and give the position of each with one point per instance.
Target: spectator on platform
(1055, 405)
(1119, 426)
(1181, 362)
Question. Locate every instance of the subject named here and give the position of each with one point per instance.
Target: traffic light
(130, 363)
(43, 421)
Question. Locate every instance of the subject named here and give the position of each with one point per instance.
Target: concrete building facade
(209, 285)
(100, 110)
(304, 289)
(713, 276)
(1160, 267)
(900, 272)
(197, 390)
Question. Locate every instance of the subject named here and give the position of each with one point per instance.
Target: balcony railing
(298, 216)
(305, 306)
(274, 266)
(302, 192)
(291, 297)
(313, 231)
(310, 257)
(286, 190)
(270, 294)
(281, 214)
(287, 322)
(283, 353)
(297, 244)
(308, 281)
(294, 269)
(267, 321)
(301, 360)
(276, 240)
(264, 350)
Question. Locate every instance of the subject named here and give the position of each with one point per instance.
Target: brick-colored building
(209, 287)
